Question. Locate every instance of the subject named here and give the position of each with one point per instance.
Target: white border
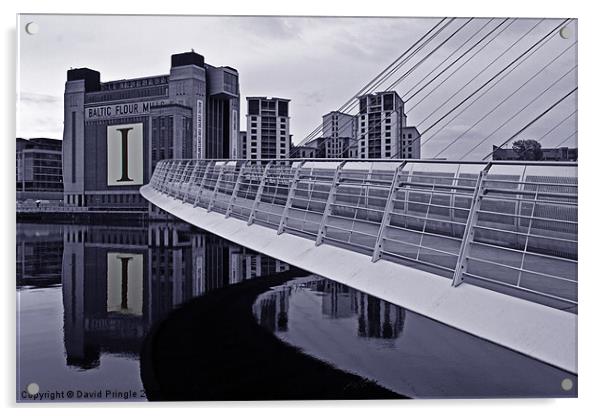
(590, 369)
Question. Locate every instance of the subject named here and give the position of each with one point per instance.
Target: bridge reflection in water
(506, 226)
(403, 351)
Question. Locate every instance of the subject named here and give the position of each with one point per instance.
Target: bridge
(487, 247)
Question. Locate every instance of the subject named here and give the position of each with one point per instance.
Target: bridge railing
(507, 226)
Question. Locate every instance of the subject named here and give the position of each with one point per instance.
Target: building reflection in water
(117, 281)
(39, 255)
(271, 310)
(375, 317)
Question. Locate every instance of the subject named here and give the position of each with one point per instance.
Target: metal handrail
(274, 189)
(393, 161)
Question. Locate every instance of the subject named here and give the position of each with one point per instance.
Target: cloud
(319, 63)
(267, 28)
(40, 115)
(33, 98)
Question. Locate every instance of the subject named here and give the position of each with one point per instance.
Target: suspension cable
(550, 108)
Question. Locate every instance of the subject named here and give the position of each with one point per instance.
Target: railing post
(178, 193)
(518, 206)
(467, 238)
(202, 185)
(328, 207)
(178, 179)
(192, 175)
(217, 183)
(236, 188)
(377, 252)
(452, 198)
(169, 178)
(157, 172)
(173, 178)
(258, 194)
(289, 200)
(406, 199)
(522, 261)
(163, 184)
(154, 175)
(368, 179)
(162, 173)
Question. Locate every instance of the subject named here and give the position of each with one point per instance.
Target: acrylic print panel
(258, 208)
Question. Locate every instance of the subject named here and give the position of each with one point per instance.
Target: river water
(87, 295)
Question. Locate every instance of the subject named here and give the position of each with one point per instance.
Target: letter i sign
(125, 154)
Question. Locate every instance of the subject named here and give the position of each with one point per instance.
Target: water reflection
(272, 310)
(374, 317)
(403, 351)
(115, 283)
(88, 295)
(39, 255)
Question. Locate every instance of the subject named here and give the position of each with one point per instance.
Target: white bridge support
(488, 248)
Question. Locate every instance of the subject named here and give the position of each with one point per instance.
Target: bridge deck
(536, 330)
(507, 227)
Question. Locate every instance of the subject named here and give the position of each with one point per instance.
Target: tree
(528, 149)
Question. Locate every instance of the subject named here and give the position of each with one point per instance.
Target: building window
(253, 108)
(230, 82)
(409, 135)
(388, 102)
(282, 108)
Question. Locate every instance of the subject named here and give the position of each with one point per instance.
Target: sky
(319, 63)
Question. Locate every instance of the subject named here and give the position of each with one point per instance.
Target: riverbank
(212, 348)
